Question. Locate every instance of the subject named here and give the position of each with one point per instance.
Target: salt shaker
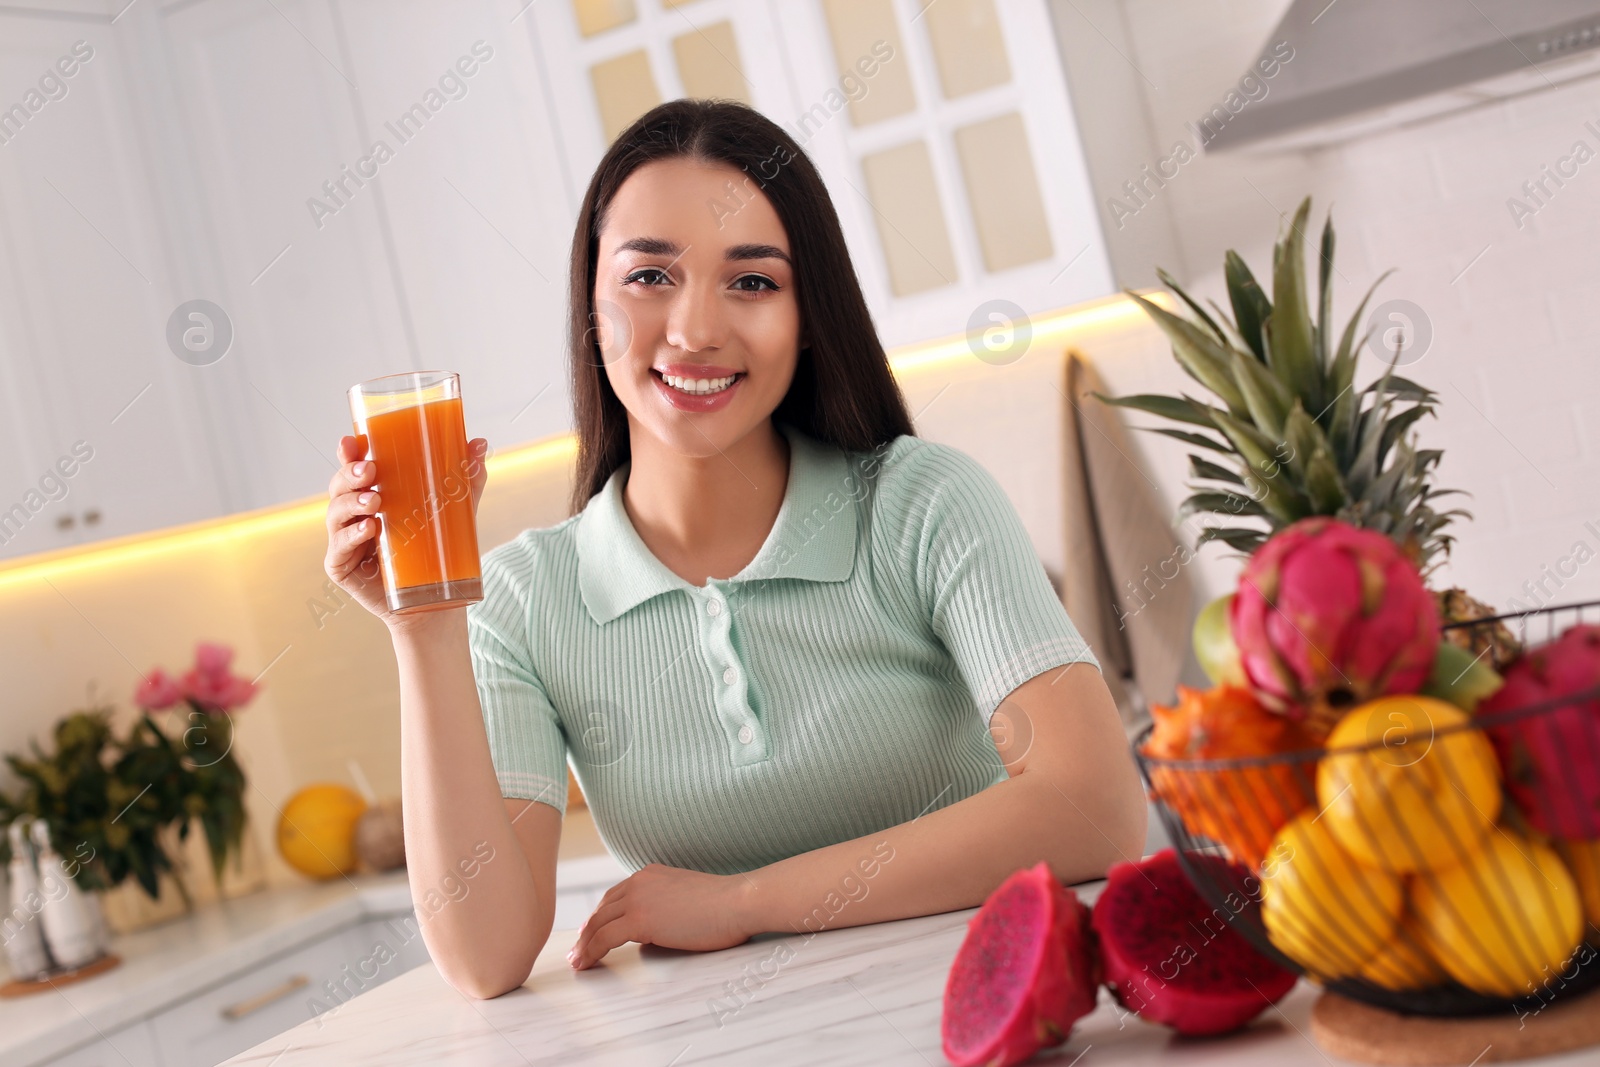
(24, 934)
(69, 926)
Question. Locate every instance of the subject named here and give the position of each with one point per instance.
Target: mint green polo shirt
(840, 684)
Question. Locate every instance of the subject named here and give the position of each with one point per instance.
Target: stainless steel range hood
(1359, 66)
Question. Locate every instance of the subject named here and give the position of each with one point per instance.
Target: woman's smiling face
(694, 286)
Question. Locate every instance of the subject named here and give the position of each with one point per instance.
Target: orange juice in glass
(427, 535)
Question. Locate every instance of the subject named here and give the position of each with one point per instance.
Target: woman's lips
(692, 402)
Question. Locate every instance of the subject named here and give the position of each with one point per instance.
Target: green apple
(1213, 644)
(1460, 678)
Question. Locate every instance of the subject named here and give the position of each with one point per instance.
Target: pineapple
(1290, 433)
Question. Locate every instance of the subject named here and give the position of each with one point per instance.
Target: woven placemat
(1361, 1032)
(19, 987)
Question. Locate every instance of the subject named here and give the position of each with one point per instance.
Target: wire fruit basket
(1404, 872)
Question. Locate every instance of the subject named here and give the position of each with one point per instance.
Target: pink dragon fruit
(1551, 759)
(1328, 616)
(1027, 970)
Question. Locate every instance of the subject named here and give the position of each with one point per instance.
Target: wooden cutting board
(1361, 1032)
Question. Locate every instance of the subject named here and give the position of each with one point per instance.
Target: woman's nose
(696, 320)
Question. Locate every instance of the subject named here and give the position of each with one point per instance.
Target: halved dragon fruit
(1025, 973)
(1173, 958)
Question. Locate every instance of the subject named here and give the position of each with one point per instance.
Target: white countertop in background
(166, 964)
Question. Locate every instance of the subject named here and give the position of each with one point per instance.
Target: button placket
(730, 695)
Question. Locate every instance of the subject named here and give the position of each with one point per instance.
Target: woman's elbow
(485, 980)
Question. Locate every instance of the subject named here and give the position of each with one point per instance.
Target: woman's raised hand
(352, 558)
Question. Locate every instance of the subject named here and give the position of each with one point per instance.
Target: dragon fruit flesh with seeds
(1328, 616)
(1027, 970)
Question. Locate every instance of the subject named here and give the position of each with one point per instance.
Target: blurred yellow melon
(1422, 797)
(317, 830)
(1403, 963)
(1504, 922)
(1323, 909)
(1583, 860)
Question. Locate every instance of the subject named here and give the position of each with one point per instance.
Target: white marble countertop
(166, 964)
(867, 995)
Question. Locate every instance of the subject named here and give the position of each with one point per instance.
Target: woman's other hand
(670, 907)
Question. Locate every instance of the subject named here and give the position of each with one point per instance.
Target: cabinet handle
(261, 1000)
(65, 522)
(91, 516)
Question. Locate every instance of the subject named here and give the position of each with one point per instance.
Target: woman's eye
(760, 282)
(642, 274)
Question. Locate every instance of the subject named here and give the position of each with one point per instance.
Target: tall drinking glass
(427, 535)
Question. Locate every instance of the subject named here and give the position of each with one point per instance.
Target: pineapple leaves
(1204, 468)
(1250, 305)
(1168, 407)
(1203, 358)
(1167, 280)
(1198, 439)
(1324, 291)
(1264, 395)
(1239, 539)
(1290, 344)
(1232, 503)
(1294, 434)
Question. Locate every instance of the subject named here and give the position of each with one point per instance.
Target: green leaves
(1251, 308)
(1290, 351)
(108, 800)
(1290, 433)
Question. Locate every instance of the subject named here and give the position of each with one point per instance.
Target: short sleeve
(980, 580)
(526, 740)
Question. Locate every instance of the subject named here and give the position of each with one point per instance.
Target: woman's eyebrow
(660, 246)
(757, 252)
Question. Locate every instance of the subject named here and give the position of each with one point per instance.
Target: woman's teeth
(699, 386)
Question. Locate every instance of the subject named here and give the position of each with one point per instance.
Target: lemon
(317, 830)
(1504, 922)
(1321, 908)
(1423, 796)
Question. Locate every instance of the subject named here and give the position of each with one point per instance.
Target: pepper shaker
(24, 933)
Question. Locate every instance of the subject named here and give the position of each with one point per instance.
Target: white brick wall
(1516, 337)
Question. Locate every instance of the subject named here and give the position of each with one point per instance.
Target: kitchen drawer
(132, 1046)
(286, 991)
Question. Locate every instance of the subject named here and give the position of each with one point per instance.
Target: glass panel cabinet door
(942, 128)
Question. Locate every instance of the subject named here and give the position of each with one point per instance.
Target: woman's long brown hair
(843, 392)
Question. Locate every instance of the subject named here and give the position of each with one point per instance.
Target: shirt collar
(814, 537)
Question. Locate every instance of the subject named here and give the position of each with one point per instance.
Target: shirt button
(730, 676)
(746, 735)
(714, 608)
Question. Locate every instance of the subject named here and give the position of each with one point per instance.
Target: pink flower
(217, 692)
(157, 691)
(212, 659)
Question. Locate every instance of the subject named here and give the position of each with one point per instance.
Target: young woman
(807, 667)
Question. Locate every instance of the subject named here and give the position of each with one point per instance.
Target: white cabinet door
(282, 993)
(479, 217)
(85, 291)
(131, 1046)
(265, 118)
(246, 1010)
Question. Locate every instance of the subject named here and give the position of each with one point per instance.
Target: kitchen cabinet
(85, 291)
(283, 992)
(362, 187)
(131, 1046)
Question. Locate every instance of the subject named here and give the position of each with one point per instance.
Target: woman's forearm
(945, 860)
(485, 939)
